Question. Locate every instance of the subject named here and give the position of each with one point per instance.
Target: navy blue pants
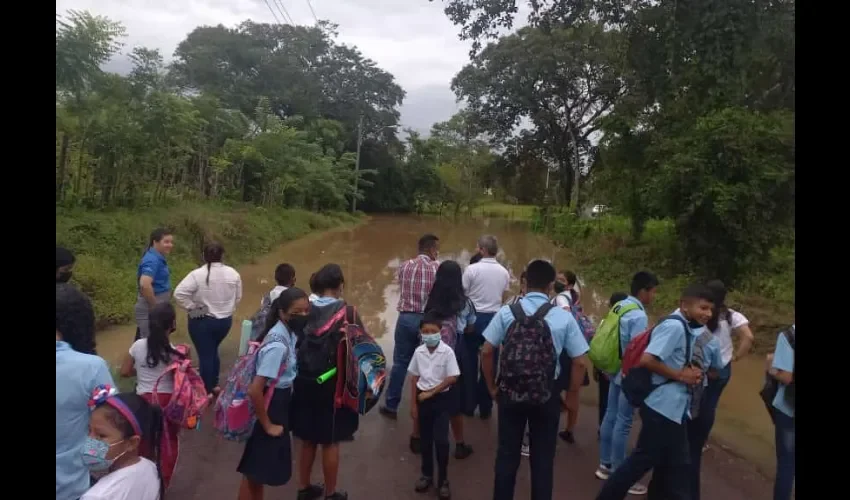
(475, 388)
(406, 341)
(207, 333)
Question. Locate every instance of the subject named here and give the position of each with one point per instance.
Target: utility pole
(357, 164)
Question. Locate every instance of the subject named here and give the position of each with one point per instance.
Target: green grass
(108, 244)
(504, 211)
(605, 255)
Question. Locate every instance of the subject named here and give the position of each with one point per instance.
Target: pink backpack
(190, 398)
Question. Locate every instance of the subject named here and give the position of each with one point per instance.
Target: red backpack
(637, 380)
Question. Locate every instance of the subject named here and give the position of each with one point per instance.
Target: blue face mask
(94, 455)
(431, 339)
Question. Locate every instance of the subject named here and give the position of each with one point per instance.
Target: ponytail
(213, 252)
(154, 437)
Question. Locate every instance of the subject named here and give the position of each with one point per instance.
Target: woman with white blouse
(210, 294)
(724, 324)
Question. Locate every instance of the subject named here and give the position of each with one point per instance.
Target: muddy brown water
(369, 255)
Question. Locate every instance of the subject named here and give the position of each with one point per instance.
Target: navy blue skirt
(268, 460)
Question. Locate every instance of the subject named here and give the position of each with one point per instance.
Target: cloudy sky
(412, 39)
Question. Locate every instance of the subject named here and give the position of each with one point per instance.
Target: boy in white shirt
(433, 369)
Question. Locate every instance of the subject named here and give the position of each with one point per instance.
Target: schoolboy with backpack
(657, 377)
(625, 321)
(530, 335)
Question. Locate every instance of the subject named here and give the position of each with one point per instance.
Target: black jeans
(476, 393)
(662, 446)
(207, 333)
(699, 428)
(542, 424)
(434, 433)
(603, 384)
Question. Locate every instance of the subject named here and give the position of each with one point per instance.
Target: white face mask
(431, 339)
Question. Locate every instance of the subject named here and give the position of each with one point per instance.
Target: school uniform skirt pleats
(267, 460)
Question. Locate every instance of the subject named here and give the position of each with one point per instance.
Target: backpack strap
(543, 310)
(518, 312)
(688, 334)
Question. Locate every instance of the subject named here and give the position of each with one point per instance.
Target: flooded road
(369, 255)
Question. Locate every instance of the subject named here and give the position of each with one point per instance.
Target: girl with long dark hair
(267, 459)
(210, 295)
(148, 359)
(448, 302)
(121, 426)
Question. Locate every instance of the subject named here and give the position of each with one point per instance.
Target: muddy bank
(369, 255)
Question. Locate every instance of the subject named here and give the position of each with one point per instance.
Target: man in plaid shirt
(415, 280)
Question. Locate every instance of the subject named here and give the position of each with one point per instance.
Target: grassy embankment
(604, 255)
(108, 244)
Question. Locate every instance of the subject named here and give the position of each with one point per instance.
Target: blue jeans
(406, 341)
(476, 394)
(614, 434)
(700, 427)
(207, 333)
(785, 449)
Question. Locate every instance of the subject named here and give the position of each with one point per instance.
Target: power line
(309, 4)
(284, 12)
(272, 11)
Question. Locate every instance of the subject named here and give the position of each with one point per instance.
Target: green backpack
(605, 352)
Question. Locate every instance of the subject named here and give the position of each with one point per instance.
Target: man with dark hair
(64, 264)
(619, 414)
(663, 441)
(415, 280)
(516, 409)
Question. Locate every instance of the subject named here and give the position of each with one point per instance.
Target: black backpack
(319, 348)
(258, 320)
(527, 359)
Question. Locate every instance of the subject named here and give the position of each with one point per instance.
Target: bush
(108, 244)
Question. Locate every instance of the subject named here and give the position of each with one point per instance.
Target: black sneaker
(383, 410)
(415, 445)
(462, 450)
(443, 492)
(312, 492)
(424, 484)
(567, 436)
(338, 495)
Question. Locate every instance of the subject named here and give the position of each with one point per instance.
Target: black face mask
(297, 323)
(64, 277)
(560, 287)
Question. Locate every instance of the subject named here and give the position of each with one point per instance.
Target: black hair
(446, 299)
(64, 257)
(75, 318)
(475, 258)
(720, 310)
(431, 318)
(698, 291)
(157, 235)
(213, 253)
(617, 297)
(571, 277)
(281, 304)
(539, 274)
(643, 280)
(427, 242)
(161, 317)
(149, 418)
(329, 277)
(313, 288)
(284, 274)
(524, 276)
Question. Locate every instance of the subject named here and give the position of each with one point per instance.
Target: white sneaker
(603, 472)
(524, 451)
(637, 489)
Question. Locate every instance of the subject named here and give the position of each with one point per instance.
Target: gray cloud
(412, 39)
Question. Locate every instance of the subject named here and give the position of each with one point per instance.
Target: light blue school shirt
(271, 357)
(632, 324)
(77, 375)
(565, 330)
(783, 359)
(465, 317)
(153, 264)
(668, 344)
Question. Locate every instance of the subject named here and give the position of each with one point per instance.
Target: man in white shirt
(485, 283)
(284, 276)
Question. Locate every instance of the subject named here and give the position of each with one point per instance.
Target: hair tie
(103, 394)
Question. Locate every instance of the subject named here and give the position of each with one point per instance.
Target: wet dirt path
(369, 255)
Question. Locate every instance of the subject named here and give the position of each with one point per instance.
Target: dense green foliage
(108, 244)
(260, 113)
(680, 110)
